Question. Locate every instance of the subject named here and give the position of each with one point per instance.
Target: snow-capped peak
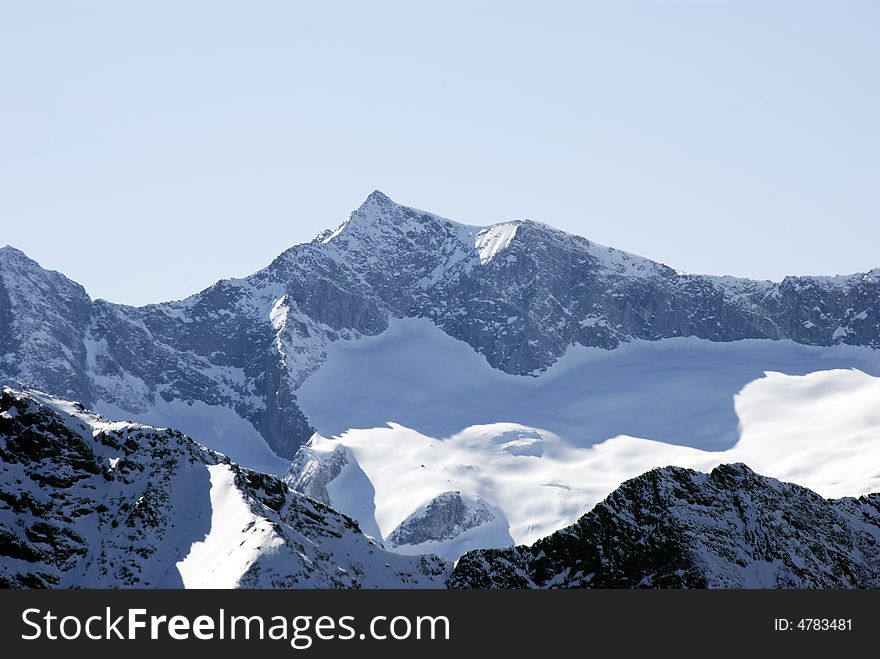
(372, 211)
(377, 197)
(380, 216)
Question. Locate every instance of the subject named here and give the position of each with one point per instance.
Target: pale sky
(149, 148)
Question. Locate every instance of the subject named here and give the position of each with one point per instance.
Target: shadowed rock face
(446, 516)
(677, 528)
(87, 503)
(519, 293)
(310, 474)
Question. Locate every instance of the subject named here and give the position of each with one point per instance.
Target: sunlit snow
(423, 414)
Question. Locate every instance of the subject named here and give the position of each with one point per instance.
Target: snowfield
(436, 418)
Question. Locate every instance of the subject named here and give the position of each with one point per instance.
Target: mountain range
(519, 293)
(417, 386)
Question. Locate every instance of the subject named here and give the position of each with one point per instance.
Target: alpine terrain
(85, 502)
(449, 389)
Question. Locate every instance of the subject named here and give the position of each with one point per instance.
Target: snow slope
(494, 239)
(85, 502)
(436, 418)
(223, 556)
(682, 389)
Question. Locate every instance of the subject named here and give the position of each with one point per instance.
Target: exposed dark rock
(678, 528)
(446, 516)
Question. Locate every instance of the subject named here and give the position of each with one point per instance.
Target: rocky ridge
(678, 528)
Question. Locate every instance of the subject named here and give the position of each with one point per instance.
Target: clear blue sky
(150, 148)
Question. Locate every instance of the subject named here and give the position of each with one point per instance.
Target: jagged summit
(380, 226)
(377, 207)
(378, 197)
(380, 215)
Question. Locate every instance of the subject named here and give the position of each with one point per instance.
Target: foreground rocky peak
(89, 503)
(678, 528)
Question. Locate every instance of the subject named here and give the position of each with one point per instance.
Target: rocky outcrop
(677, 528)
(447, 516)
(310, 473)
